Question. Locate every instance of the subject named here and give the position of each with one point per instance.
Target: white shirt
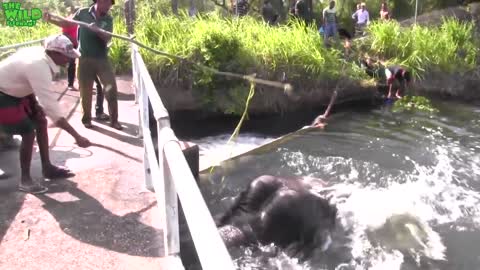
(30, 71)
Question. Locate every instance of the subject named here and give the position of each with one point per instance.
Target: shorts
(17, 114)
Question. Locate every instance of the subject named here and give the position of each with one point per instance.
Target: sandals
(57, 172)
(34, 188)
(102, 117)
(88, 125)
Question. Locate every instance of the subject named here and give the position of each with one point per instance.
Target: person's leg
(71, 73)
(326, 34)
(86, 75)
(26, 149)
(41, 124)
(107, 78)
(401, 89)
(99, 113)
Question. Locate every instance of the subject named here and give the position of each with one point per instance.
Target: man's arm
(63, 124)
(98, 30)
(57, 20)
(40, 80)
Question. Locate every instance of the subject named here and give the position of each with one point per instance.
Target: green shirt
(90, 44)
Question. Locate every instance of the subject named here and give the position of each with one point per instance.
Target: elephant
(285, 212)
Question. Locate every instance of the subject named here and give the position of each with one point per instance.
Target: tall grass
(451, 47)
(241, 45)
(248, 45)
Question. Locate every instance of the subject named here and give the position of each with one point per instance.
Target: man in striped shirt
(241, 7)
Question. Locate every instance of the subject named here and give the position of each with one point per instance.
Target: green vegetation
(245, 46)
(414, 103)
(449, 48)
(248, 46)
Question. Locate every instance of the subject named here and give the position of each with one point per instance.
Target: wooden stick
(285, 86)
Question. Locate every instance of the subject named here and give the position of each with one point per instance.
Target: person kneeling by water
(283, 211)
(399, 74)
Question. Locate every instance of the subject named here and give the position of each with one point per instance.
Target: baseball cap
(61, 44)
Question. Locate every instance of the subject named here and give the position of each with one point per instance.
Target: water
(377, 163)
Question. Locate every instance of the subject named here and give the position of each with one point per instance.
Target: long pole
(416, 10)
(288, 88)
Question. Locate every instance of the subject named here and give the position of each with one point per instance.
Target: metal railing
(16, 46)
(170, 175)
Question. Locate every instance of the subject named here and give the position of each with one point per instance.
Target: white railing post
(165, 135)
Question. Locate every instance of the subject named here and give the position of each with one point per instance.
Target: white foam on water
(429, 195)
(432, 195)
(214, 149)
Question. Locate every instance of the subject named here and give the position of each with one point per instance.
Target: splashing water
(419, 171)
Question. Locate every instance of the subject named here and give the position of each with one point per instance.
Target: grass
(238, 45)
(449, 48)
(247, 46)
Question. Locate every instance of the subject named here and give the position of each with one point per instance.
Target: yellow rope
(235, 133)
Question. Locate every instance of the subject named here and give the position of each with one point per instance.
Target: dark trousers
(100, 97)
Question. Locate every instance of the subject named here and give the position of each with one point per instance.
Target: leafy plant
(411, 103)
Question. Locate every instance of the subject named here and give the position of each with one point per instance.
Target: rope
(285, 86)
(235, 133)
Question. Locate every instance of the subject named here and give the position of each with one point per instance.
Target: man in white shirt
(24, 77)
(362, 17)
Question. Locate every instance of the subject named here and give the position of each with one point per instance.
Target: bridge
(120, 210)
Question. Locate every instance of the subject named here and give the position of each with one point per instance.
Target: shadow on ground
(11, 200)
(86, 220)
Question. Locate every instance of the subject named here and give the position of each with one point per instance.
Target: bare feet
(55, 172)
(116, 125)
(29, 186)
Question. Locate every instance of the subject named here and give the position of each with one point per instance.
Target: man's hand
(83, 142)
(100, 32)
(93, 27)
(46, 15)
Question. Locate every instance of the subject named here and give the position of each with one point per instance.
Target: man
(362, 17)
(94, 60)
(72, 33)
(25, 76)
(300, 10)
(241, 7)
(329, 22)
(399, 74)
(268, 12)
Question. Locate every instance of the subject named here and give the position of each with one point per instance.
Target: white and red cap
(61, 44)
